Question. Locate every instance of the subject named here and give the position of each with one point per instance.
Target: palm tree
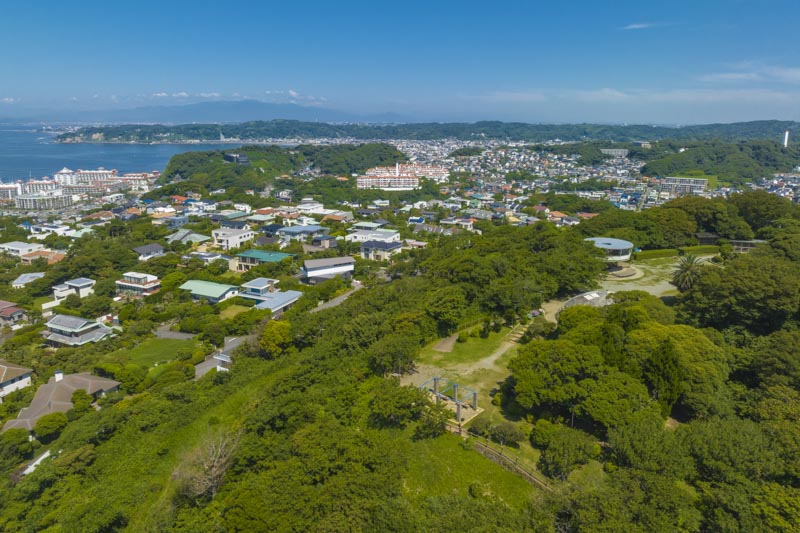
(687, 272)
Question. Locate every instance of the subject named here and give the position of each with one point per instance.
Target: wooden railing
(500, 457)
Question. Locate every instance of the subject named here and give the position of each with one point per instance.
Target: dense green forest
(203, 172)
(731, 163)
(515, 131)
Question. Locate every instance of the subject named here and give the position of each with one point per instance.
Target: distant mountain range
(221, 112)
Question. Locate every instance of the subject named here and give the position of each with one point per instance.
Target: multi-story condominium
(436, 173)
(66, 176)
(42, 201)
(388, 183)
(37, 186)
(136, 284)
(684, 185)
(9, 191)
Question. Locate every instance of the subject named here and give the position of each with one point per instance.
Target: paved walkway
(338, 300)
(163, 332)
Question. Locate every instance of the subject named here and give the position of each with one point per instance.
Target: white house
(228, 239)
(318, 270)
(18, 248)
(81, 287)
(381, 235)
(13, 377)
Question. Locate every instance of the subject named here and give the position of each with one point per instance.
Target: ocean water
(26, 153)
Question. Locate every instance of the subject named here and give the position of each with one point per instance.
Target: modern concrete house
(138, 285)
(319, 270)
(82, 287)
(251, 258)
(264, 291)
(228, 239)
(18, 248)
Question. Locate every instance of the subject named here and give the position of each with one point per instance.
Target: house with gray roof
(67, 330)
(319, 270)
(210, 291)
(187, 236)
(379, 250)
(149, 251)
(264, 291)
(24, 279)
(55, 396)
(13, 377)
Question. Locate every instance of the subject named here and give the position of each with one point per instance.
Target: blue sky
(646, 62)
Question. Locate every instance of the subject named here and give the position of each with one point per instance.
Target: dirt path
(446, 345)
(425, 372)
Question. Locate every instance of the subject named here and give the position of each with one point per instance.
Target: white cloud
(601, 95)
(518, 97)
(293, 93)
(181, 94)
(731, 76)
(749, 71)
(8, 100)
(160, 95)
(639, 26)
(209, 95)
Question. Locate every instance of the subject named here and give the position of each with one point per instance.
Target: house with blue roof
(264, 291)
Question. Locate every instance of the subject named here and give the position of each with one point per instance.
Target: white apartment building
(37, 186)
(9, 191)
(66, 176)
(228, 239)
(436, 173)
(55, 199)
(388, 182)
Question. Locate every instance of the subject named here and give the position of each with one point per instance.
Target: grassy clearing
(590, 475)
(232, 311)
(473, 350)
(442, 466)
(153, 351)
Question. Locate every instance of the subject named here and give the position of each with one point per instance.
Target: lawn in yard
(232, 311)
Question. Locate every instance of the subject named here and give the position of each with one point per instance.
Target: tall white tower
(786, 138)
